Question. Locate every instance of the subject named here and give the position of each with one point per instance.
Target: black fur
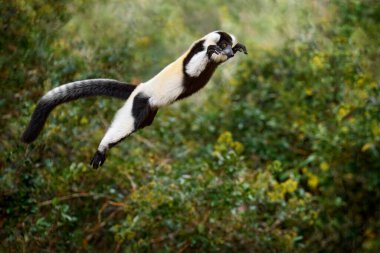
(213, 49)
(98, 159)
(194, 84)
(149, 118)
(86, 88)
(224, 37)
(142, 111)
(239, 48)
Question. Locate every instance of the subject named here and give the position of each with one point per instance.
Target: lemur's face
(226, 42)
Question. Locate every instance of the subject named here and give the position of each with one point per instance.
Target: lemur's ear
(239, 48)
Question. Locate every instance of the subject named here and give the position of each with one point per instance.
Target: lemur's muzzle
(228, 51)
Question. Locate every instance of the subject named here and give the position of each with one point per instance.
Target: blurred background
(279, 153)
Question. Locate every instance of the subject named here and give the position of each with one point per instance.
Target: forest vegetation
(278, 153)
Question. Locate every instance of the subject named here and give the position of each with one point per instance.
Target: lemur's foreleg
(239, 48)
(132, 116)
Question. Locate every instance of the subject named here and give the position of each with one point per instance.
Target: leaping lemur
(180, 79)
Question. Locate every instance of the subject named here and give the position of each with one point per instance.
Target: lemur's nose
(228, 51)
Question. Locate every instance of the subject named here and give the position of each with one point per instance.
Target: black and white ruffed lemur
(180, 79)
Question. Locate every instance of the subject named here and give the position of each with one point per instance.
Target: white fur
(219, 57)
(197, 64)
(166, 86)
(64, 89)
(234, 40)
(121, 126)
(211, 39)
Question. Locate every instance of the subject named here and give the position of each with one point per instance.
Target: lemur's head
(226, 42)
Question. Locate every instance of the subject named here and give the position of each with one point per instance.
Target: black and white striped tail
(69, 92)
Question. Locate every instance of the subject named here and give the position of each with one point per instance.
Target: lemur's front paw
(239, 48)
(98, 159)
(213, 49)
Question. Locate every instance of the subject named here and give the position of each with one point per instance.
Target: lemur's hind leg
(149, 119)
(132, 116)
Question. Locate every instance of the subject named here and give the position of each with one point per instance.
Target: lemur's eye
(224, 45)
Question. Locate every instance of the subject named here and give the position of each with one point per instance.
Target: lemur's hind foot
(98, 159)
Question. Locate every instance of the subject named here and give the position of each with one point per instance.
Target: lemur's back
(166, 86)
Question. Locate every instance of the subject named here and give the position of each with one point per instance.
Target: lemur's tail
(69, 92)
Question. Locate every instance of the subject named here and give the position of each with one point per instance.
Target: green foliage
(279, 153)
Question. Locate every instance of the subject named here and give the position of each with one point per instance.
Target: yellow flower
(360, 82)
(342, 112)
(344, 129)
(83, 121)
(317, 61)
(226, 142)
(369, 233)
(225, 137)
(275, 195)
(363, 95)
(279, 190)
(375, 129)
(234, 82)
(312, 181)
(352, 120)
(309, 91)
(238, 147)
(324, 166)
(366, 147)
(143, 41)
(290, 185)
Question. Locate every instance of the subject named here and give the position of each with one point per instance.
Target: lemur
(178, 80)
